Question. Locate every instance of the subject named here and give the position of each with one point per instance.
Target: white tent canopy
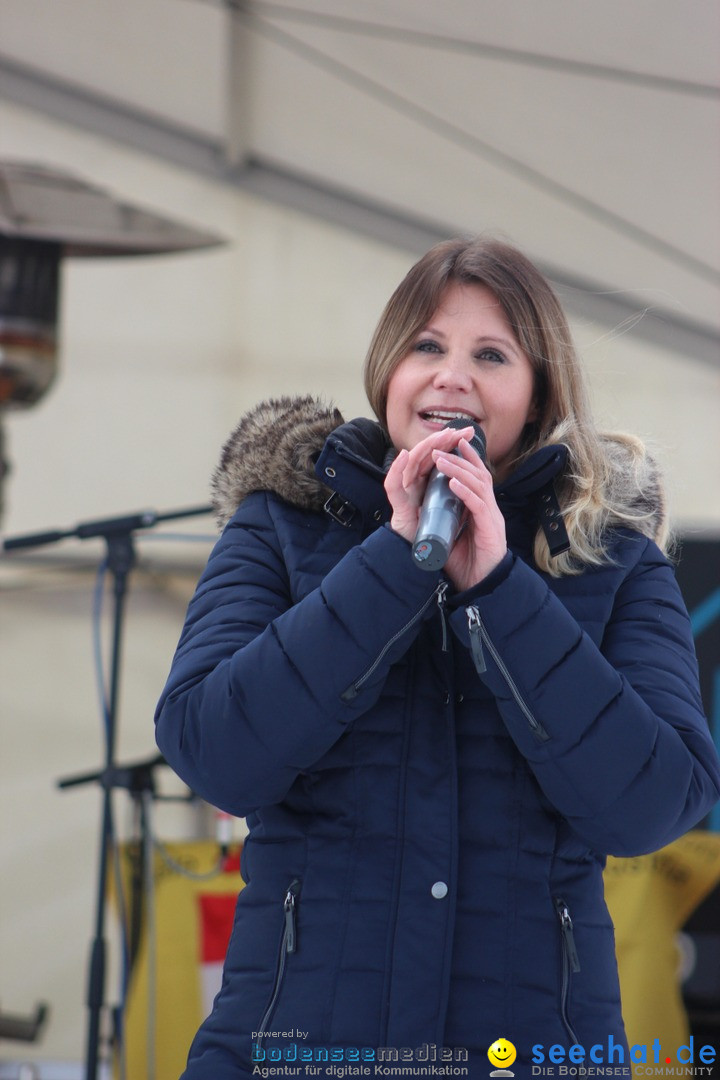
(585, 132)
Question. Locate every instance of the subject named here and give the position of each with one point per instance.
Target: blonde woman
(434, 765)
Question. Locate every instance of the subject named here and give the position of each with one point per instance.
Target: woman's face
(466, 362)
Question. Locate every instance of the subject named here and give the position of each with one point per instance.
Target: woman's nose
(454, 373)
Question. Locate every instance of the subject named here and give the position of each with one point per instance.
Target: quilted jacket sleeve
(256, 692)
(615, 735)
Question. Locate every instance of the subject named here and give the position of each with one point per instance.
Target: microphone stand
(118, 534)
(138, 779)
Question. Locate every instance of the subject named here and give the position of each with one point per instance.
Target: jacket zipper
(288, 945)
(570, 965)
(478, 636)
(354, 689)
(441, 593)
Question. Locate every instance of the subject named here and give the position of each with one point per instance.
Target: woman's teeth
(439, 417)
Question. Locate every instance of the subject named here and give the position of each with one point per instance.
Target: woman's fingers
(404, 505)
(417, 463)
(394, 478)
(407, 477)
(468, 451)
(445, 439)
(471, 481)
(469, 468)
(474, 502)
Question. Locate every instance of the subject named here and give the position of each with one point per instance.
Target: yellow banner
(194, 904)
(650, 898)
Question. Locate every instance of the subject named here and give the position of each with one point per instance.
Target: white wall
(160, 356)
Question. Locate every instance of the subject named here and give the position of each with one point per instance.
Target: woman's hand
(481, 544)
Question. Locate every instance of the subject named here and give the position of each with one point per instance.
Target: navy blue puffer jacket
(431, 780)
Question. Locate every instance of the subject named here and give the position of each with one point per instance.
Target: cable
(178, 868)
(98, 595)
(510, 164)
(148, 857)
(124, 958)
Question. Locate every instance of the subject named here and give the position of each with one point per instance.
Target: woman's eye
(427, 346)
(493, 355)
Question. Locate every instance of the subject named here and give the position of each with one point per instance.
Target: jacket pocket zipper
(480, 636)
(288, 945)
(570, 964)
(354, 689)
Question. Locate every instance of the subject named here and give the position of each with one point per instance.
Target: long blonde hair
(609, 480)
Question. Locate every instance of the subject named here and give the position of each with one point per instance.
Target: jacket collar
(353, 462)
(529, 496)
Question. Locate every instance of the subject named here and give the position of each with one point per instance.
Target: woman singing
(434, 764)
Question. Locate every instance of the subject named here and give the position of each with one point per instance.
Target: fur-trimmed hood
(274, 448)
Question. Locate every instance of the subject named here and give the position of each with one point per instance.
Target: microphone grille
(478, 441)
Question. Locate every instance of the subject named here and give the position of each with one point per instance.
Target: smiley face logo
(502, 1053)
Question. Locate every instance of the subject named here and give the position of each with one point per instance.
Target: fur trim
(621, 486)
(636, 486)
(274, 448)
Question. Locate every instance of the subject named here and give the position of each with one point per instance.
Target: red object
(216, 919)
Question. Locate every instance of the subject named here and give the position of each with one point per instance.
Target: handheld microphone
(442, 510)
